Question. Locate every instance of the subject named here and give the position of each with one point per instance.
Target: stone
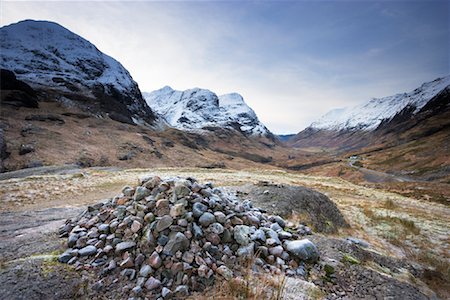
(258, 235)
(25, 149)
(103, 228)
(198, 209)
(152, 284)
(145, 271)
(136, 226)
(203, 271)
(181, 291)
(220, 217)
(276, 251)
(166, 293)
(279, 220)
(164, 223)
(188, 257)
(150, 217)
(182, 222)
(124, 246)
(225, 272)
(216, 228)
(197, 231)
(181, 190)
(275, 227)
(242, 234)
(72, 240)
(127, 263)
(87, 251)
(177, 210)
(302, 249)
(214, 238)
(140, 193)
(359, 242)
(127, 191)
(284, 235)
(177, 242)
(246, 251)
(155, 260)
(162, 207)
(65, 257)
(136, 290)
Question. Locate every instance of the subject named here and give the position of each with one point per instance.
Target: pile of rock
(170, 237)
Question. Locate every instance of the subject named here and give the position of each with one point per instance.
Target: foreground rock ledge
(168, 238)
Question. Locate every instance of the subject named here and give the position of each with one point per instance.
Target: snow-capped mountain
(196, 108)
(370, 115)
(48, 56)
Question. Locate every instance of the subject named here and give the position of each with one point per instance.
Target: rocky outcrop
(15, 92)
(317, 209)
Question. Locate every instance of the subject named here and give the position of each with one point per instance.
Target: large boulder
(284, 200)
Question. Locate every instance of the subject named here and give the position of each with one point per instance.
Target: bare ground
(33, 207)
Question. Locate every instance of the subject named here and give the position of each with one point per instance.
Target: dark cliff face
(15, 92)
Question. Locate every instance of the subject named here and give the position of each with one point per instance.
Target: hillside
(58, 62)
(404, 134)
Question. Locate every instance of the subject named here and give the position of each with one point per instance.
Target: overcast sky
(291, 61)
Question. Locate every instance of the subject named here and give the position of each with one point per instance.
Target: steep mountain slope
(52, 59)
(406, 135)
(357, 127)
(370, 115)
(196, 109)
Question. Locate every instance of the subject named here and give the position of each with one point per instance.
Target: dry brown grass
(247, 284)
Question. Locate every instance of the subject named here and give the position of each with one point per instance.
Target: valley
(365, 189)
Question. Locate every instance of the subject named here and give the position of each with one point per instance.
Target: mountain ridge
(50, 57)
(198, 109)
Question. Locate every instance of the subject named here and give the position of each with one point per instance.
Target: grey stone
(72, 240)
(246, 251)
(197, 231)
(275, 227)
(155, 260)
(140, 193)
(242, 234)
(302, 249)
(145, 271)
(65, 257)
(164, 223)
(103, 228)
(124, 246)
(166, 293)
(225, 272)
(177, 210)
(177, 242)
(216, 228)
(279, 220)
(152, 283)
(198, 209)
(87, 251)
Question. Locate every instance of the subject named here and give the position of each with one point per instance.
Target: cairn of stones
(169, 238)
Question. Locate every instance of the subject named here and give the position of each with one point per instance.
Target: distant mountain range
(197, 109)
(344, 128)
(49, 57)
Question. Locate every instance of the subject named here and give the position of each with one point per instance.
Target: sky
(292, 61)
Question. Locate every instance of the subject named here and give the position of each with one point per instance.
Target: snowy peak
(46, 55)
(197, 108)
(370, 115)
